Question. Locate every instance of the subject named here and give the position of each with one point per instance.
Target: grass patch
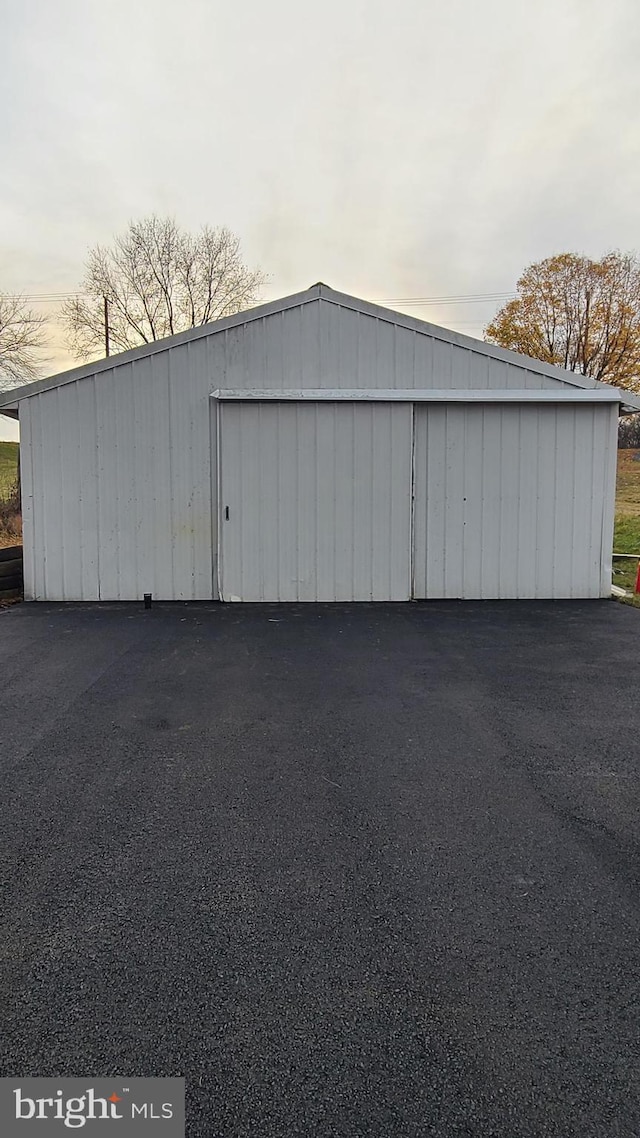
(626, 537)
(10, 528)
(10, 521)
(628, 484)
(8, 467)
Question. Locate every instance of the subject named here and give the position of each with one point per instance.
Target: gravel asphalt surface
(351, 870)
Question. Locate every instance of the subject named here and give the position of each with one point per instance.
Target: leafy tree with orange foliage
(577, 314)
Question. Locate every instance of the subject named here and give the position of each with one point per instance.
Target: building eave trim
(426, 395)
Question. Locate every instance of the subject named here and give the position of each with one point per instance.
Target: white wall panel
(319, 501)
(51, 428)
(40, 501)
(513, 501)
(29, 536)
(122, 467)
(70, 499)
(358, 350)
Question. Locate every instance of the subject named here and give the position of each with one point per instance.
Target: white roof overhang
(426, 395)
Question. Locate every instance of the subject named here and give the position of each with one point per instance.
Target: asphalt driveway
(351, 870)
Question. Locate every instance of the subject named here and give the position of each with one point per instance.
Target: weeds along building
(317, 448)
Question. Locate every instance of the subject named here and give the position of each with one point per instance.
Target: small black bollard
(147, 600)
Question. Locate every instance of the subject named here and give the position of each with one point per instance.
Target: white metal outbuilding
(317, 448)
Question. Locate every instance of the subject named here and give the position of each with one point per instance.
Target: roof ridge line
(318, 291)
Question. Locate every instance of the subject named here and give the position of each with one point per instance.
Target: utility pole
(106, 326)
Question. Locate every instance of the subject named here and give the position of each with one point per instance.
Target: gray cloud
(419, 148)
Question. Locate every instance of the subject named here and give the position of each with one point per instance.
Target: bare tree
(22, 338)
(158, 279)
(578, 314)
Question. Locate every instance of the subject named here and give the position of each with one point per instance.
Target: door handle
(226, 513)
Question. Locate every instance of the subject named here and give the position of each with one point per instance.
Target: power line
(477, 298)
(41, 296)
(455, 298)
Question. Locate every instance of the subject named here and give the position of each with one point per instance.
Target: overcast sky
(410, 149)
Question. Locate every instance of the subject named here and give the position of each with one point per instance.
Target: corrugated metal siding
(513, 501)
(319, 499)
(119, 475)
(118, 500)
(322, 344)
(26, 478)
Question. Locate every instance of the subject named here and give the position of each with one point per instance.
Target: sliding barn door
(315, 501)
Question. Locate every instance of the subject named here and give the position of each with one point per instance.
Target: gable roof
(9, 399)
